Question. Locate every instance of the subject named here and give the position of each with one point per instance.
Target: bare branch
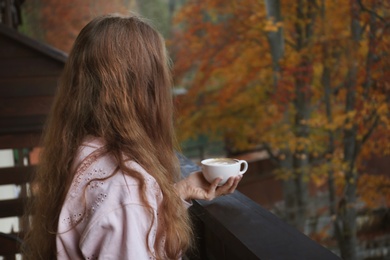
(364, 8)
(368, 134)
(270, 153)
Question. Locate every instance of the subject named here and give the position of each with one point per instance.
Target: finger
(209, 193)
(214, 184)
(222, 190)
(235, 184)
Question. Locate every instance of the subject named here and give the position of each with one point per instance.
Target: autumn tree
(306, 80)
(294, 159)
(59, 22)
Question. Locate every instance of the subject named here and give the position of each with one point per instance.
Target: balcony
(229, 227)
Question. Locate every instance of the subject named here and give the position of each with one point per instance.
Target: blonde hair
(116, 85)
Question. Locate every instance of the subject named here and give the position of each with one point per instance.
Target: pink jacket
(113, 222)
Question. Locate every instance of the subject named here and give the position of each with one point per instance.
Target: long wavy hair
(116, 85)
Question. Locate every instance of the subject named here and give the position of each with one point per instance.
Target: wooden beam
(21, 124)
(8, 13)
(12, 207)
(23, 140)
(45, 49)
(16, 175)
(9, 245)
(28, 86)
(25, 106)
(22, 67)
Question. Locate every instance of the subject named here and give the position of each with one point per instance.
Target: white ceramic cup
(223, 168)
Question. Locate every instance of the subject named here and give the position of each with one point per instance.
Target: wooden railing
(14, 176)
(229, 227)
(235, 227)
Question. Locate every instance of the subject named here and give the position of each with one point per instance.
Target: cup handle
(242, 162)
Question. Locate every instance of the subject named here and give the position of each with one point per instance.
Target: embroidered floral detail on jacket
(81, 177)
(100, 199)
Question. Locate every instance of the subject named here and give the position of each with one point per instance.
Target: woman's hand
(195, 186)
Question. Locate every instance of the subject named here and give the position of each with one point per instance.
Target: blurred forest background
(304, 83)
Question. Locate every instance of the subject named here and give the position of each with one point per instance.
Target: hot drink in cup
(223, 168)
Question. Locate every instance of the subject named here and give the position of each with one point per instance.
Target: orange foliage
(62, 20)
(222, 57)
(374, 190)
(227, 47)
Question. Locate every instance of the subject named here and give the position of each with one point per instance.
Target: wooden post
(8, 13)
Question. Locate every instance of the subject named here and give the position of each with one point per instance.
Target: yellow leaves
(317, 121)
(374, 190)
(233, 73)
(256, 17)
(300, 143)
(252, 18)
(271, 26)
(339, 121)
(348, 126)
(319, 174)
(383, 113)
(318, 180)
(351, 114)
(284, 174)
(272, 109)
(383, 109)
(214, 15)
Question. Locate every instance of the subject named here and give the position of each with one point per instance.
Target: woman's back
(98, 204)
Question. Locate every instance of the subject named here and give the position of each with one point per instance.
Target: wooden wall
(29, 72)
(28, 76)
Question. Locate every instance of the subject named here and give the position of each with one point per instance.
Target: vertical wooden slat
(8, 13)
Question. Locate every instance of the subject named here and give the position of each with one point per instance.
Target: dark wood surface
(21, 124)
(21, 140)
(29, 44)
(9, 245)
(28, 86)
(29, 72)
(25, 106)
(16, 175)
(12, 207)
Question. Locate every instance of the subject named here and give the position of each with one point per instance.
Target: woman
(108, 182)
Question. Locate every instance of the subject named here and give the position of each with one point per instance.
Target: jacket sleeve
(121, 234)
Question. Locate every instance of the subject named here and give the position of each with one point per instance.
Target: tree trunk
(347, 208)
(290, 186)
(295, 190)
(171, 8)
(275, 38)
(289, 189)
(326, 83)
(303, 79)
(301, 158)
